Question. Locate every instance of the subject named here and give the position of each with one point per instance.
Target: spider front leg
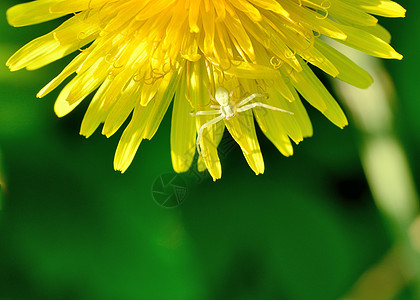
(204, 126)
(211, 96)
(253, 96)
(259, 104)
(232, 92)
(205, 112)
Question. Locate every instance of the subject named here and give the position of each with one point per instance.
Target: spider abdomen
(228, 111)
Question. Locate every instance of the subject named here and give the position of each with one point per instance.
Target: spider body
(227, 110)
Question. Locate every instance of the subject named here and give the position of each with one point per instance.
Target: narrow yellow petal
(384, 8)
(273, 127)
(131, 138)
(67, 71)
(351, 14)
(96, 112)
(251, 71)
(67, 38)
(193, 16)
(33, 12)
(121, 110)
(348, 71)
(62, 106)
(32, 51)
(317, 95)
(149, 91)
(273, 6)
(86, 83)
(236, 29)
(368, 43)
(246, 7)
(162, 100)
(272, 122)
(212, 135)
(68, 7)
(182, 130)
(317, 58)
(242, 129)
(76, 32)
(378, 31)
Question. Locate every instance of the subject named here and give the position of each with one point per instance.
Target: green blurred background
(73, 228)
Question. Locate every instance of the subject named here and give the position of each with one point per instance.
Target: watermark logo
(169, 190)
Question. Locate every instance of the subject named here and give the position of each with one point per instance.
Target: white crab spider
(228, 110)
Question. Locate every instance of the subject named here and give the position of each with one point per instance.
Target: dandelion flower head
(138, 57)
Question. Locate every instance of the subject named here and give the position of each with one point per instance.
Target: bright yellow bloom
(139, 55)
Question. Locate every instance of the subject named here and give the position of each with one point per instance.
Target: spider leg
(259, 104)
(211, 96)
(204, 126)
(205, 112)
(253, 96)
(215, 106)
(232, 92)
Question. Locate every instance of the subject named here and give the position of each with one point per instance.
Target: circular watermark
(169, 190)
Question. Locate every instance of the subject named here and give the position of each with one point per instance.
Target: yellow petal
(162, 100)
(67, 71)
(131, 138)
(182, 130)
(368, 43)
(62, 106)
(383, 8)
(33, 12)
(351, 14)
(242, 129)
(96, 112)
(317, 95)
(212, 135)
(348, 71)
(121, 110)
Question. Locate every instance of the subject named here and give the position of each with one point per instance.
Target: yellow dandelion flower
(207, 56)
